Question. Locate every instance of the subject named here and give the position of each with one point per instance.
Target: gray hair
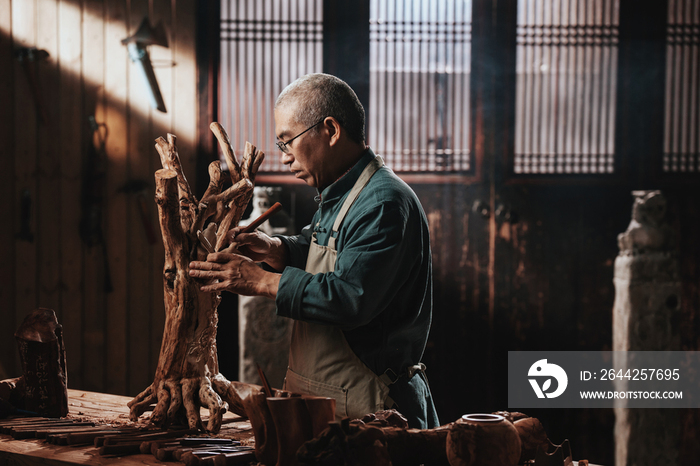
(316, 96)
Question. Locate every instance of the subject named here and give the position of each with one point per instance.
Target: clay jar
(483, 440)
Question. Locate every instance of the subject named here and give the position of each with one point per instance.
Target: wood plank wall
(112, 337)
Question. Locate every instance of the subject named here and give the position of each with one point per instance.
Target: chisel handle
(259, 221)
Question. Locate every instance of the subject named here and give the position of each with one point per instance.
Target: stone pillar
(647, 306)
(264, 337)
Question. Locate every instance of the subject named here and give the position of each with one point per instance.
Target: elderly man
(357, 281)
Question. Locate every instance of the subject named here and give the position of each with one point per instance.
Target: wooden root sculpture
(187, 375)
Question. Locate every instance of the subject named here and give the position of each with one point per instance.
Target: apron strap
(389, 377)
(361, 182)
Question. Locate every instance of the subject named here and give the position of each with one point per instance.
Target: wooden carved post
(187, 375)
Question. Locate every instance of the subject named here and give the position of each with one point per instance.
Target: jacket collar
(345, 183)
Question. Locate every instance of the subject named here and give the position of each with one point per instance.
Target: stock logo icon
(544, 371)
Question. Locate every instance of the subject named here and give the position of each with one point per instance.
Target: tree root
(173, 398)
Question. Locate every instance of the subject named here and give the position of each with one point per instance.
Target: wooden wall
(112, 337)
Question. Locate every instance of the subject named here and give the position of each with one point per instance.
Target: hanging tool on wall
(94, 182)
(28, 57)
(136, 45)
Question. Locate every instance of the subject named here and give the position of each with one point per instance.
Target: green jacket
(380, 293)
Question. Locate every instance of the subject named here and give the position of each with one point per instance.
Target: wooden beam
(116, 232)
(72, 132)
(138, 194)
(8, 364)
(93, 289)
(25, 127)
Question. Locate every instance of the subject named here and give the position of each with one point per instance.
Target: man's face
(306, 153)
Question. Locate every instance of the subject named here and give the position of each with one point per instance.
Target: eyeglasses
(283, 145)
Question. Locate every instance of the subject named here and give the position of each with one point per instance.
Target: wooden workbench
(103, 409)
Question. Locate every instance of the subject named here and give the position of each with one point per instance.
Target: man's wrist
(277, 257)
(269, 285)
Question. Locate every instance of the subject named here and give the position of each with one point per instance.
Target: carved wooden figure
(187, 375)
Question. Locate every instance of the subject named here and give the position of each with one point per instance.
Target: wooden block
(153, 446)
(166, 453)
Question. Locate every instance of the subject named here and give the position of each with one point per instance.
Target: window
(420, 51)
(566, 65)
(265, 45)
(419, 84)
(682, 112)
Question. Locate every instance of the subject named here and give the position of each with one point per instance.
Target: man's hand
(235, 273)
(257, 246)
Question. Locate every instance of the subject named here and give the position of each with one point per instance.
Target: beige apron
(321, 361)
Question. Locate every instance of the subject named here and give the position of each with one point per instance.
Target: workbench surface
(102, 409)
